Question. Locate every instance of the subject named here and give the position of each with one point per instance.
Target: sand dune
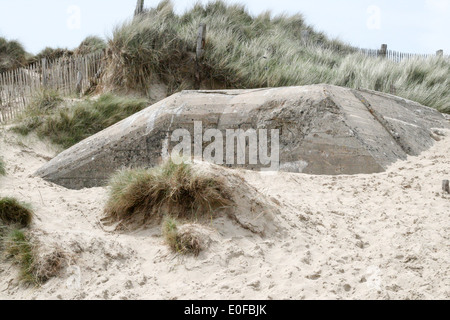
(378, 236)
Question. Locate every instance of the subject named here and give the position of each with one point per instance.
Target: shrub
(14, 212)
(176, 190)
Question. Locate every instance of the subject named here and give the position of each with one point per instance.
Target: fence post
(383, 51)
(201, 40)
(393, 89)
(79, 82)
(44, 72)
(446, 186)
(440, 53)
(305, 36)
(139, 7)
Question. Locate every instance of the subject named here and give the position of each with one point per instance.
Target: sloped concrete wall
(323, 130)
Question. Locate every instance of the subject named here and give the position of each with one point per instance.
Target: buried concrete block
(319, 129)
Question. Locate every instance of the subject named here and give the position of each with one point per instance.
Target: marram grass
(174, 190)
(245, 51)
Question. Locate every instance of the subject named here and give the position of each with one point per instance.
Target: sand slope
(379, 236)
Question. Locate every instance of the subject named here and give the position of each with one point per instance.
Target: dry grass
(13, 212)
(182, 240)
(49, 265)
(167, 190)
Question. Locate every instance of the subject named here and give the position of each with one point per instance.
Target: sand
(378, 236)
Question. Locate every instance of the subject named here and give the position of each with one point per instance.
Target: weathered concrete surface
(323, 130)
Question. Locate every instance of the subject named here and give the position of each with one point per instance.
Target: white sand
(379, 236)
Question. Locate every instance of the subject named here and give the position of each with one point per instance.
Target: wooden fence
(67, 75)
(76, 75)
(396, 56)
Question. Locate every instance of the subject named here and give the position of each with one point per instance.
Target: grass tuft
(13, 212)
(184, 240)
(174, 190)
(18, 247)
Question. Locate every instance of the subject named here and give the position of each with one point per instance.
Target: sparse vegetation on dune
(13, 242)
(174, 190)
(12, 55)
(42, 104)
(72, 123)
(183, 241)
(18, 246)
(44, 101)
(243, 51)
(35, 268)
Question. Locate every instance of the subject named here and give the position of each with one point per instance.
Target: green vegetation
(13, 242)
(13, 212)
(2, 167)
(44, 101)
(244, 51)
(42, 104)
(69, 125)
(91, 44)
(17, 245)
(18, 248)
(12, 55)
(174, 190)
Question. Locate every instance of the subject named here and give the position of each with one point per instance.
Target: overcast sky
(415, 26)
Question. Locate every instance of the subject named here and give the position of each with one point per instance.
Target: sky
(412, 26)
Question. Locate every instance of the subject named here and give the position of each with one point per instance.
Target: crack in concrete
(384, 123)
(355, 133)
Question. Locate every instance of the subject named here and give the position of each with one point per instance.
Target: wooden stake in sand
(139, 8)
(446, 186)
(201, 40)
